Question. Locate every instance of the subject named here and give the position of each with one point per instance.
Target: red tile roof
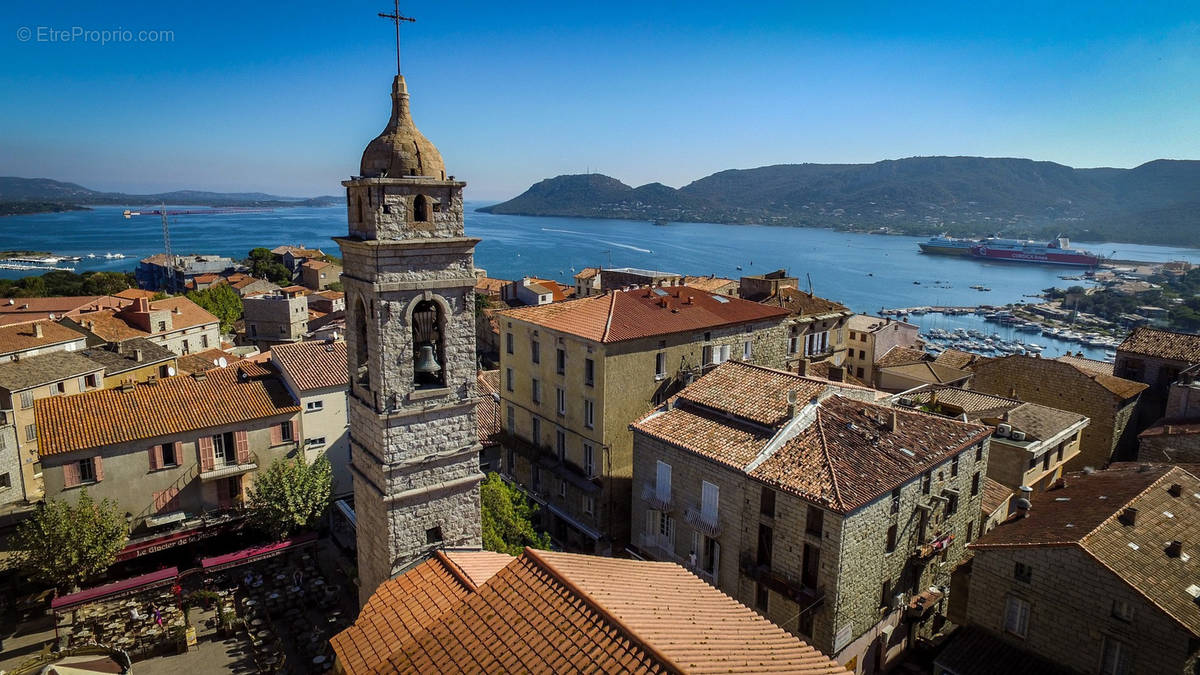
(313, 365)
(644, 312)
(1092, 365)
(995, 495)
(24, 310)
(20, 337)
(1086, 513)
(200, 362)
(956, 358)
(562, 612)
(1163, 344)
(110, 325)
(712, 284)
(800, 303)
(135, 293)
(901, 356)
(170, 406)
(1118, 386)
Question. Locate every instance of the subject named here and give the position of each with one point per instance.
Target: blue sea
(865, 272)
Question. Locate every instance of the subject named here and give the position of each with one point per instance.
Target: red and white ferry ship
(1057, 252)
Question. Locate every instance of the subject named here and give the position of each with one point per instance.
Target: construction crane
(163, 212)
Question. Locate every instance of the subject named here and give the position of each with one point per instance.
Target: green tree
(507, 518)
(481, 303)
(263, 265)
(290, 495)
(63, 543)
(222, 302)
(105, 283)
(335, 286)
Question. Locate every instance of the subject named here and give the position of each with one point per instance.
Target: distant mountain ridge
(46, 190)
(1155, 203)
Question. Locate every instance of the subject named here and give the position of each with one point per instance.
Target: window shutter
(98, 467)
(662, 483)
(156, 460)
(204, 445)
(70, 474)
(178, 447)
(243, 447)
(709, 496)
(276, 435)
(294, 436)
(651, 523)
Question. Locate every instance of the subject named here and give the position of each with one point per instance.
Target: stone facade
(275, 318)
(869, 337)
(825, 576)
(1071, 598)
(12, 487)
(625, 385)
(1109, 434)
(408, 274)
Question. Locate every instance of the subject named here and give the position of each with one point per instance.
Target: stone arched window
(421, 209)
(361, 369)
(429, 346)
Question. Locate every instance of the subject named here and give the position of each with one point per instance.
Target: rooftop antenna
(396, 18)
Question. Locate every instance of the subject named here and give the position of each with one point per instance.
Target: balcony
(231, 469)
(650, 496)
(708, 524)
(783, 584)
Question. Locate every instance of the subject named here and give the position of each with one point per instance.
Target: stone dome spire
(401, 150)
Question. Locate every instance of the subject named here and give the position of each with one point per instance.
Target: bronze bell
(426, 363)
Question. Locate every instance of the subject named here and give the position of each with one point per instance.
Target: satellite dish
(222, 362)
(170, 371)
(333, 335)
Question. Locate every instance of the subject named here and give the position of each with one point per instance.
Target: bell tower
(408, 274)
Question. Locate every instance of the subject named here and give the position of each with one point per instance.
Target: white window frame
(710, 501)
(747, 350)
(589, 460)
(793, 344)
(560, 400)
(589, 413)
(223, 456)
(1016, 616)
(660, 366)
(816, 343)
(662, 481)
(314, 406)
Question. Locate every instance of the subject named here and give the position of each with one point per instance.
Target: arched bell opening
(429, 353)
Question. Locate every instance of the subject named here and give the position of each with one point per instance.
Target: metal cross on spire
(396, 18)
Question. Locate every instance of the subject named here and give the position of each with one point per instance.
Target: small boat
(739, 267)
(91, 255)
(917, 283)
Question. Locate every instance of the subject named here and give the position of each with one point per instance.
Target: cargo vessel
(1057, 252)
(948, 245)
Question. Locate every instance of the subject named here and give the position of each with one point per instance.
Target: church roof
(401, 150)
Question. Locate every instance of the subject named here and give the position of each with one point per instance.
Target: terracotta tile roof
(1039, 422)
(478, 566)
(843, 457)
(1171, 429)
(639, 313)
(135, 293)
(1091, 365)
(712, 284)
(928, 371)
(172, 405)
(205, 278)
(822, 370)
(848, 458)
(1162, 344)
(866, 323)
(587, 273)
(298, 251)
(901, 356)
(200, 362)
(995, 495)
(558, 292)
(332, 295)
(563, 612)
(1051, 368)
(1085, 513)
(23, 310)
(20, 337)
(400, 609)
(316, 264)
(295, 288)
(123, 356)
(313, 365)
(32, 371)
(111, 326)
(487, 409)
(490, 286)
(800, 303)
(956, 358)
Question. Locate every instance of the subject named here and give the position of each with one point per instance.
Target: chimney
(137, 355)
(142, 305)
(1023, 507)
(837, 374)
(802, 368)
(1175, 490)
(37, 330)
(890, 420)
(1128, 516)
(791, 401)
(691, 299)
(1175, 548)
(242, 376)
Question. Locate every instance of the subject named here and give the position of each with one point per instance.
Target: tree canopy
(507, 518)
(222, 301)
(58, 283)
(63, 543)
(290, 495)
(262, 264)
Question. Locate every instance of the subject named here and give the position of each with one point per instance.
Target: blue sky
(283, 97)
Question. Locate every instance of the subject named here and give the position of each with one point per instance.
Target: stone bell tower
(408, 273)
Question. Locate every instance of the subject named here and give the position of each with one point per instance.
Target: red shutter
(243, 447)
(71, 474)
(156, 459)
(276, 435)
(295, 438)
(204, 445)
(178, 447)
(98, 467)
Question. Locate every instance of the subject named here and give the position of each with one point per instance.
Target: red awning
(116, 589)
(256, 552)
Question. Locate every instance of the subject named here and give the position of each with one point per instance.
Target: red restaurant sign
(154, 545)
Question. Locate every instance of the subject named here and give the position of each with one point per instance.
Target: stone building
(315, 374)
(318, 274)
(576, 373)
(713, 284)
(1031, 443)
(816, 326)
(1098, 575)
(171, 451)
(133, 361)
(1108, 402)
(12, 487)
(174, 273)
(409, 277)
(20, 340)
(615, 278)
(837, 518)
(587, 282)
(1156, 358)
(554, 612)
(1175, 438)
(22, 384)
(175, 323)
(277, 317)
(870, 337)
